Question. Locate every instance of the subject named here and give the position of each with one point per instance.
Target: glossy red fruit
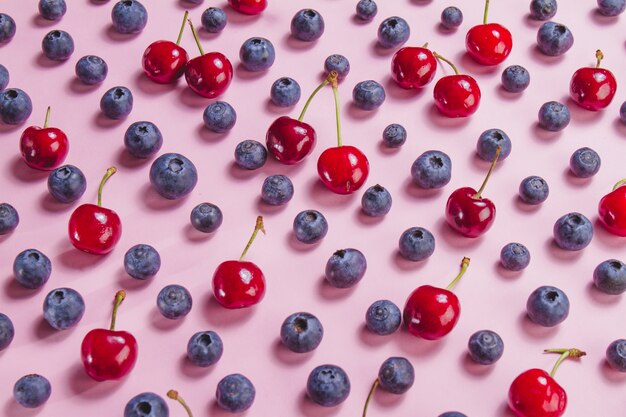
(164, 61)
(251, 7)
(343, 169)
(489, 43)
(413, 67)
(593, 88)
(44, 148)
(290, 140)
(612, 209)
(457, 95)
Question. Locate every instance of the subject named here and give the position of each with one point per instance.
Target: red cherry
(248, 6)
(109, 354)
(432, 312)
(593, 88)
(93, 228)
(164, 61)
(176, 397)
(456, 95)
(240, 284)
(468, 212)
(44, 148)
(290, 140)
(489, 43)
(413, 67)
(612, 209)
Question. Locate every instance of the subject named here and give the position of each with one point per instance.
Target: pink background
(491, 297)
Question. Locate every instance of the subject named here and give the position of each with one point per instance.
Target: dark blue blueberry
(142, 261)
(366, 10)
(205, 348)
(67, 184)
(310, 226)
(307, 25)
(206, 217)
(622, 112)
(616, 355)
(301, 332)
(147, 404)
(285, 92)
(376, 201)
(554, 116)
(143, 139)
(585, 163)
(393, 32)
(7, 28)
(451, 17)
(4, 77)
(257, 54)
(368, 95)
(7, 331)
(57, 45)
(173, 175)
(129, 16)
(174, 302)
(339, 63)
(117, 102)
(345, 268)
(533, 190)
(452, 414)
(488, 143)
(416, 244)
(235, 393)
(396, 375)
(515, 78)
(15, 106)
(514, 256)
(277, 190)
(485, 347)
(250, 154)
(52, 9)
(554, 39)
(547, 306)
(383, 317)
(9, 219)
(610, 277)
(432, 169)
(214, 20)
(91, 69)
(219, 117)
(32, 268)
(573, 231)
(394, 135)
(543, 9)
(32, 391)
(328, 385)
(63, 308)
(611, 7)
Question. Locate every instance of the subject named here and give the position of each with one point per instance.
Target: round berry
(173, 175)
(616, 355)
(393, 32)
(206, 217)
(547, 306)
(485, 347)
(432, 169)
(143, 139)
(117, 102)
(235, 393)
(543, 9)
(396, 375)
(310, 226)
(174, 302)
(32, 391)
(328, 385)
(376, 201)
(534, 190)
(257, 54)
(451, 17)
(52, 9)
(32, 268)
(394, 135)
(129, 16)
(146, 404)
(277, 190)
(366, 10)
(345, 268)
(416, 244)
(622, 112)
(250, 154)
(9, 219)
(285, 92)
(338, 63)
(584, 163)
(58, 45)
(219, 117)
(7, 28)
(514, 256)
(368, 95)
(573, 231)
(307, 25)
(554, 39)
(611, 7)
(205, 348)
(488, 143)
(554, 116)
(15, 106)
(63, 308)
(91, 69)
(610, 277)
(383, 317)
(7, 331)
(515, 79)
(142, 261)
(214, 20)
(452, 414)
(301, 332)
(4, 77)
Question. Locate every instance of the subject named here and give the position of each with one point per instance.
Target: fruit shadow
(619, 126)
(277, 110)
(76, 86)
(609, 374)
(505, 410)
(190, 99)
(98, 2)
(507, 95)
(415, 191)
(77, 259)
(356, 113)
(291, 42)
(235, 18)
(330, 293)
(155, 201)
(534, 330)
(288, 357)
(366, 220)
(372, 339)
(15, 291)
(537, 56)
(416, 346)
(454, 239)
(51, 205)
(420, 2)
(103, 122)
(24, 173)
(109, 33)
(532, 23)
(326, 198)
(162, 323)
(195, 236)
(542, 135)
(14, 409)
(193, 371)
(601, 20)
(575, 181)
(129, 283)
(472, 67)
(39, 22)
(441, 29)
(241, 174)
(220, 316)
(216, 411)
(602, 298)
(358, 21)
(82, 384)
(186, 5)
(43, 61)
(605, 238)
(43, 330)
(125, 159)
(502, 272)
(146, 85)
(243, 74)
(386, 399)
(393, 90)
(310, 409)
(380, 51)
(473, 368)
(10, 128)
(439, 120)
(578, 114)
(209, 136)
(386, 150)
(268, 209)
(561, 255)
(520, 205)
(400, 262)
(298, 246)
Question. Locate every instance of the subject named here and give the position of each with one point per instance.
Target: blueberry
(250, 154)
(146, 404)
(310, 226)
(32, 268)
(383, 317)
(7, 331)
(616, 355)
(554, 39)
(63, 308)
(584, 163)
(173, 175)
(174, 302)
(573, 231)
(285, 92)
(277, 190)
(543, 9)
(339, 63)
(376, 201)
(32, 391)
(214, 20)
(396, 375)
(4, 77)
(235, 393)
(611, 7)
(368, 95)
(307, 25)
(515, 79)
(117, 102)
(301, 332)
(554, 116)
(622, 112)
(9, 219)
(345, 268)
(488, 143)
(452, 414)
(416, 244)
(7, 28)
(219, 117)
(15, 106)
(366, 10)
(206, 217)
(610, 277)
(547, 306)
(205, 348)
(52, 9)
(91, 69)
(533, 190)
(432, 169)
(129, 16)
(393, 32)
(57, 45)
(143, 139)
(485, 347)
(514, 256)
(394, 135)
(257, 54)
(142, 261)
(451, 17)
(328, 385)
(67, 184)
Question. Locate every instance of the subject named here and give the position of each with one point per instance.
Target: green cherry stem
(493, 165)
(447, 61)
(485, 12)
(107, 175)
(369, 396)
(464, 264)
(619, 184)
(45, 122)
(565, 353)
(119, 297)
(195, 36)
(313, 94)
(174, 396)
(258, 226)
(182, 27)
(333, 83)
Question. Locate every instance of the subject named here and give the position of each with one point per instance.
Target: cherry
(535, 393)
(210, 74)
(612, 209)
(432, 312)
(109, 354)
(248, 6)
(176, 397)
(44, 148)
(413, 67)
(489, 43)
(468, 212)
(164, 61)
(593, 88)
(456, 95)
(93, 228)
(342, 169)
(240, 284)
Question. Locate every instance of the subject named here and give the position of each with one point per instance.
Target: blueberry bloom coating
(547, 306)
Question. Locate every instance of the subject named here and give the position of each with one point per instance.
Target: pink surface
(491, 298)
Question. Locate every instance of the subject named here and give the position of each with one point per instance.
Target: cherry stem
(599, 57)
(107, 175)
(45, 122)
(195, 36)
(619, 184)
(486, 11)
(318, 88)
(447, 61)
(565, 353)
(182, 27)
(119, 297)
(464, 264)
(258, 226)
(174, 396)
(333, 83)
(493, 165)
(369, 396)
(425, 45)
